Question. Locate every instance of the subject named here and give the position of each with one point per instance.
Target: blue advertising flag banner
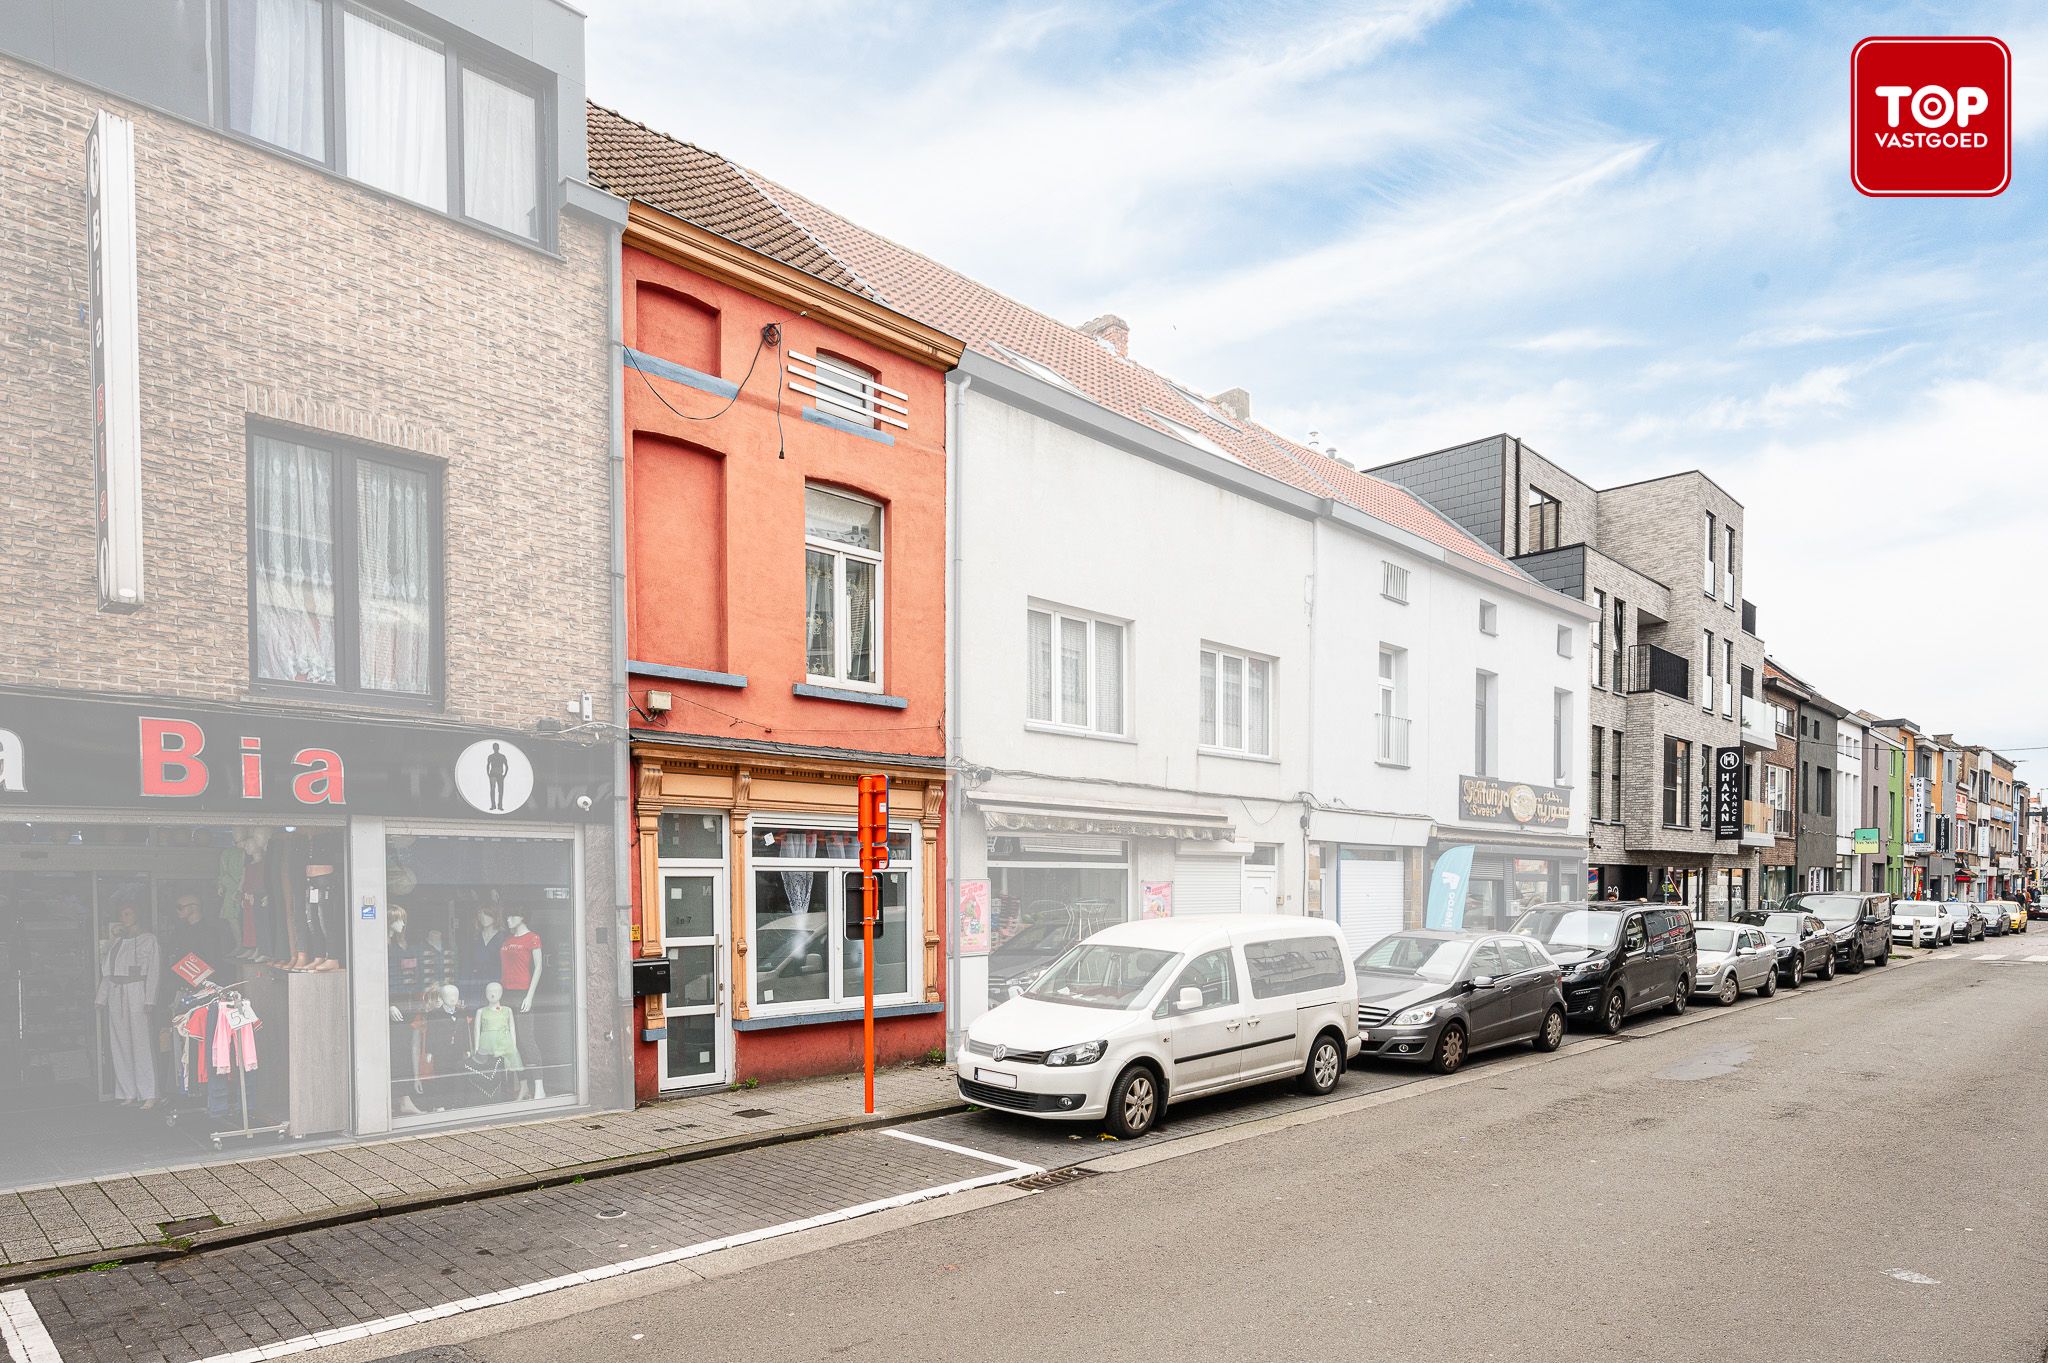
(1447, 882)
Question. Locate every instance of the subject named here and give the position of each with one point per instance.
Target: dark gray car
(1860, 922)
(1434, 998)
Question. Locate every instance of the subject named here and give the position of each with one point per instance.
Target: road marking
(1023, 1169)
(29, 1342)
(2037, 960)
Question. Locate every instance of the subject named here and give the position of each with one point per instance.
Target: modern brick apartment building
(324, 720)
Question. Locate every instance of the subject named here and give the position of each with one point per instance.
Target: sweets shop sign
(93, 754)
(1482, 799)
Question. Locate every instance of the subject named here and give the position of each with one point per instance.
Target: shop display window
(1047, 893)
(804, 894)
(481, 963)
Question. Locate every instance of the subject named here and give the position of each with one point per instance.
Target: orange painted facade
(717, 613)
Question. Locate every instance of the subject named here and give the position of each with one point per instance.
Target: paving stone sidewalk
(71, 1225)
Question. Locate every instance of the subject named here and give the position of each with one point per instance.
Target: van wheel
(1133, 1103)
(1613, 1012)
(1769, 988)
(1884, 957)
(1729, 991)
(1681, 995)
(1325, 1066)
(1450, 1049)
(1552, 1035)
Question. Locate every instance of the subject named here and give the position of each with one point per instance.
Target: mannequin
(436, 968)
(255, 922)
(402, 977)
(480, 956)
(130, 967)
(447, 1041)
(493, 1031)
(321, 933)
(521, 964)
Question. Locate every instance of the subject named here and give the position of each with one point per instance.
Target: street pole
(867, 987)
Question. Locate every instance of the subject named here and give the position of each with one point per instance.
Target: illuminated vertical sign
(116, 363)
(1919, 813)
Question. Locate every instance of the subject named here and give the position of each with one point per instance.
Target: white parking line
(29, 1342)
(1989, 956)
(2037, 960)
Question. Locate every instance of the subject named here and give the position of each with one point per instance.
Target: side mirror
(1189, 1000)
(1482, 981)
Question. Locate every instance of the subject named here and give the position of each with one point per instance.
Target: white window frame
(842, 618)
(837, 999)
(1052, 722)
(1489, 618)
(1711, 575)
(1485, 723)
(1728, 567)
(1560, 737)
(1564, 641)
(848, 394)
(1598, 638)
(1707, 670)
(1393, 705)
(1245, 661)
(1393, 581)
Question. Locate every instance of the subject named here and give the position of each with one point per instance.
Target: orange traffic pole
(867, 971)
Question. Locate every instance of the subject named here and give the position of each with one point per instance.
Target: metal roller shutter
(1368, 901)
(1207, 885)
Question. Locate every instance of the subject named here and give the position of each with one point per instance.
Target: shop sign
(1941, 834)
(1919, 818)
(1728, 794)
(73, 752)
(1155, 898)
(110, 289)
(974, 918)
(1866, 841)
(1484, 799)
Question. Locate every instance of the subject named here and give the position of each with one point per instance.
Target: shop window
(1047, 893)
(804, 896)
(686, 835)
(481, 966)
(345, 569)
(842, 589)
(386, 104)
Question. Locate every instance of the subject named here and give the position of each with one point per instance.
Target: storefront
(1508, 853)
(747, 878)
(221, 925)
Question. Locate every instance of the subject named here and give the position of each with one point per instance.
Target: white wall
(1849, 797)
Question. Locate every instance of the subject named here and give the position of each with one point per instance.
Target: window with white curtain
(277, 73)
(1074, 671)
(842, 589)
(344, 566)
(382, 102)
(1237, 702)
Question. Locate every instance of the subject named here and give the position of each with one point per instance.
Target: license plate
(996, 1077)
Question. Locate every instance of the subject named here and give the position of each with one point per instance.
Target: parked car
(1734, 957)
(2037, 909)
(1438, 997)
(2015, 914)
(1975, 922)
(1048, 931)
(1922, 922)
(1860, 922)
(1145, 1014)
(1617, 961)
(1804, 944)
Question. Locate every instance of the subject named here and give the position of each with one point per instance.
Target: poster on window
(974, 922)
(1155, 898)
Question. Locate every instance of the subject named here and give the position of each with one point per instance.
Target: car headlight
(1087, 1053)
(1415, 1017)
(1585, 968)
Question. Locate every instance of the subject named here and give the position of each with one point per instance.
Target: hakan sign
(70, 752)
(1727, 794)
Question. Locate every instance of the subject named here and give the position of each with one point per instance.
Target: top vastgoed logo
(1930, 117)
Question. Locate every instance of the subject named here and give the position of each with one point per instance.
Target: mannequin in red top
(520, 964)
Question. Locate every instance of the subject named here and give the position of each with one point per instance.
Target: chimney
(1235, 401)
(1113, 331)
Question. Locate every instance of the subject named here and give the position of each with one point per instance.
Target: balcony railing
(1651, 668)
(1393, 740)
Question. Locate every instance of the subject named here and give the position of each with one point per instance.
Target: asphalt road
(1851, 1172)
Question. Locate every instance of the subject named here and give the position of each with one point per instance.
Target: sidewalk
(77, 1225)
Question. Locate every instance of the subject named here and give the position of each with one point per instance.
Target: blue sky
(1623, 232)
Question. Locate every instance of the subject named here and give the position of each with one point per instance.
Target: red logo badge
(1930, 117)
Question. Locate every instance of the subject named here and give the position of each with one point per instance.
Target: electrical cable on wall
(771, 338)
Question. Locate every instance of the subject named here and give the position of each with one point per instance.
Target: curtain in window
(277, 73)
(1074, 672)
(1109, 677)
(394, 571)
(796, 884)
(860, 620)
(1256, 707)
(294, 563)
(1232, 701)
(498, 171)
(1208, 735)
(818, 614)
(397, 98)
(1038, 644)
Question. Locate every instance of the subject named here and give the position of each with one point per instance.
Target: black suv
(1861, 924)
(1619, 960)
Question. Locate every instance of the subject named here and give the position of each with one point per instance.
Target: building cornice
(706, 253)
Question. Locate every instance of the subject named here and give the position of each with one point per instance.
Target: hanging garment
(515, 960)
(481, 960)
(437, 966)
(228, 885)
(129, 1033)
(234, 1036)
(446, 1044)
(254, 938)
(402, 971)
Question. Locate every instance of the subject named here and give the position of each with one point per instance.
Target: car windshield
(1042, 937)
(1099, 975)
(1717, 939)
(1787, 923)
(1570, 927)
(1829, 908)
(1429, 958)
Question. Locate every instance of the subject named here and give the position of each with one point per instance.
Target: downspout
(957, 383)
(1315, 568)
(1515, 499)
(622, 770)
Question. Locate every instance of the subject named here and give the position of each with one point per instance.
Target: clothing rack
(204, 996)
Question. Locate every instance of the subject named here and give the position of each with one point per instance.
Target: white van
(1143, 1014)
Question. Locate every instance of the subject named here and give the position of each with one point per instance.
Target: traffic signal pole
(867, 988)
(874, 856)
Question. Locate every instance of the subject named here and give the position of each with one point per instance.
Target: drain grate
(1053, 1178)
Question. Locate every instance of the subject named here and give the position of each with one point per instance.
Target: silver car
(1734, 957)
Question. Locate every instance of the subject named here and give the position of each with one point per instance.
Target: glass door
(696, 1051)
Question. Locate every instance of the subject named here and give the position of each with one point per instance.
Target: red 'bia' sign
(1930, 117)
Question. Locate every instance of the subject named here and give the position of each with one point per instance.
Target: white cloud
(1576, 339)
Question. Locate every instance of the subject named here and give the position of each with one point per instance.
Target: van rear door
(1286, 973)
